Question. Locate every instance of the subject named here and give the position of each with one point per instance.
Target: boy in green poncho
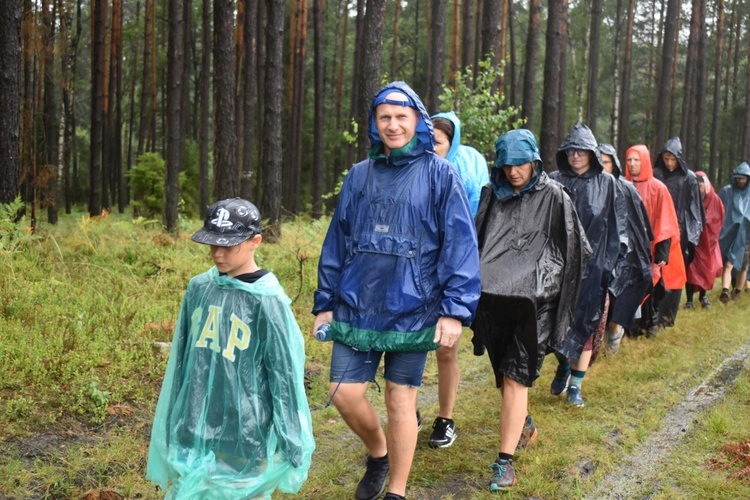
(232, 419)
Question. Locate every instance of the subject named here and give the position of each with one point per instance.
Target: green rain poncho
(232, 419)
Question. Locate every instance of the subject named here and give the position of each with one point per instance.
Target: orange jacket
(663, 219)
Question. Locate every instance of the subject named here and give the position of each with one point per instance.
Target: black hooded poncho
(594, 196)
(682, 184)
(632, 274)
(532, 248)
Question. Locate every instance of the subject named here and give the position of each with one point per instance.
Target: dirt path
(638, 470)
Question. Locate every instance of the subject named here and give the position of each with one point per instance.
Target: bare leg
(583, 362)
(726, 277)
(448, 378)
(741, 278)
(360, 416)
(512, 414)
(401, 402)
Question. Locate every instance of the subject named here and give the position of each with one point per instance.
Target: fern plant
(14, 233)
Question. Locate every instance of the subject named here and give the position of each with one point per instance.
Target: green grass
(79, 378)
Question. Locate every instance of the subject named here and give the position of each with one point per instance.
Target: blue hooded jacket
(401, 249)
(736, 228)
(471, 165)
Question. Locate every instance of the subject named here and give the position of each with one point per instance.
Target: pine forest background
(162, 106)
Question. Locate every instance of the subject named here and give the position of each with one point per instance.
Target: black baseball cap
(229, 223)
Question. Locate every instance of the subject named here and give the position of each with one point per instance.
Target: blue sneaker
(560, 382)
(503, 475)
(574, 396)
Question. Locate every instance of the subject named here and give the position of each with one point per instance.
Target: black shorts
(516, 336)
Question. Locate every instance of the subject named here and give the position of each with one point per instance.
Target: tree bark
(146, 80)
(615, 132)
(667, 58)
(49, 110)
(97, 79)
(119, 174)
(529, 72)
(622, 138)
(691, 78)
(357, 74)
(746, 137)
(226, 183)
(394, 47)
(131, 120)
(561, 93)
(468, 38)
(513, 57)
(318, 177)
(175, 138)
(10, 102)
(700, 92)
(272, 121)
(549, 138)
(205, 127)
(369, 78)
(715, 124)
(292, 169)
(492, 19)
(593, 79)
(250, 97)
(455, 63)
(436, 61)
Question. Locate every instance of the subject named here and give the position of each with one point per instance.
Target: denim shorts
(351, 366)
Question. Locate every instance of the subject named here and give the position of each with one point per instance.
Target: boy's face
(670, 160)
(236, 260)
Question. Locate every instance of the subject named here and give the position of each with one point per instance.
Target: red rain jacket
(707, 264)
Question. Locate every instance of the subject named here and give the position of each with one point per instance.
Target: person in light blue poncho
(733, 240)
(232, 419)
(472, 168)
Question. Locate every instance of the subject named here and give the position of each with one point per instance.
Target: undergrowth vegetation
(86, 306)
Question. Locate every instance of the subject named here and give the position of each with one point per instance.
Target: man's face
(579, 160)
(741, 181)
(608, 163)
(518, 176)
(633, 162)
(670, 161)
(396, 124)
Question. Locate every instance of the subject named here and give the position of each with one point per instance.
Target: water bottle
(323, 333)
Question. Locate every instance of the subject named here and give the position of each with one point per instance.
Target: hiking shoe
(372, 484)
(503, 475)
(443, 433)
(393, 496)
(736, 295)
(613, 339)
(528, 434)
(705, 304)
(560, 382)
(574, 396)
(688, 305)
(419, 421)
(478, 346)
(724, 297)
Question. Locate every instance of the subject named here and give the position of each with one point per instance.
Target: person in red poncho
(667, 266)
(707, 263)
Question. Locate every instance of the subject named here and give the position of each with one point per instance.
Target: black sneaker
(443, 433)
(705, 303)
(560, 382)
(372, 484)
(393, 496)
(736, 295)
(724, 297)
(688, 304)
(503, 475)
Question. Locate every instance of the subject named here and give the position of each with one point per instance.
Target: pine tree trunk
(394, 48)
(492, 19)
(250, 97)
(622, 138)
(271, 208)
(292, 168)
(97, 79)
(318, 176)
(715, 125)
(436, 61)
(561, 93)
(673, 93)
(357, 74)
(746, 137)
(691, 79)
(10, 103)
(146, 80)
(49, 117)
(700, 91)
(593, 78)
(667, 58)
(616, 83)
(467, 39)
(529, 71)
(225, 151)
(119, 177)
(455, 64)
(175, 139)
(369, 78)
(513, 57)
(549, 139)
(205, 114)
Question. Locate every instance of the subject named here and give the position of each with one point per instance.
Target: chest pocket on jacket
(383, 275)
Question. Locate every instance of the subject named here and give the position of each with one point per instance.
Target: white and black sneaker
(443, 433)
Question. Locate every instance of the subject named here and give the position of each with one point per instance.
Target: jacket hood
(515, 148)
(609, 149)
(674, 146)
(580, 137)
(456, 142)
(647, 171)
(742, 169)
(424, 133)
(706, 182)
